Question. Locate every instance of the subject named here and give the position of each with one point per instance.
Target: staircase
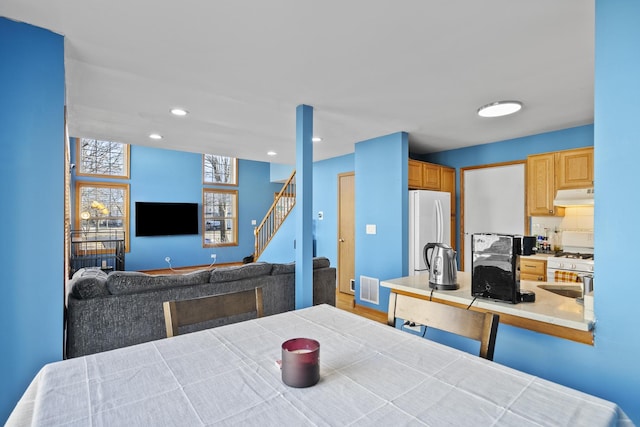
(278, 212)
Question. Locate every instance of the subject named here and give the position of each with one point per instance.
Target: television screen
(166, 219)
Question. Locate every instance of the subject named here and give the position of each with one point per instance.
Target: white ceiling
(368, 67)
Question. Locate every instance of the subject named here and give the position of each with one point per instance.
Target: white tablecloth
(371, 374)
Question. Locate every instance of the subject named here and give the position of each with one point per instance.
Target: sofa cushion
(288, 268)
(88, 283)
(131, 282)
(246, 271)
(283, 268)
(321, 262)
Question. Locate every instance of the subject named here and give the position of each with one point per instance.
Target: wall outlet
(213, 256)
(416, 327)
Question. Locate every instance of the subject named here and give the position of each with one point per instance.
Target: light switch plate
(253, 222)
(371, 229)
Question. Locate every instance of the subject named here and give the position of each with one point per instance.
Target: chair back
(198, 310)
(478, 326)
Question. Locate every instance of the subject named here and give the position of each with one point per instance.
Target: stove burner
(574, 255)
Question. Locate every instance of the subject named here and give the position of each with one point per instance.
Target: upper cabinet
(541, 188)
(549, 172)
(575, 169)
(424, 176)
(429, 176)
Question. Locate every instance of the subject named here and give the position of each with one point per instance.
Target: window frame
(233, 218)
(126, 161)
(126, 221)
(234, 174)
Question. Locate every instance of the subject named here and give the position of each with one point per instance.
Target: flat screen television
(166, 219)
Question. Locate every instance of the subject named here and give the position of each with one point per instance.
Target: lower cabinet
(533, 269)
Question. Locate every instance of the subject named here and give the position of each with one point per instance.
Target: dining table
(370, 374)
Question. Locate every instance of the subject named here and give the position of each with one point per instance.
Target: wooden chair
(478, 326)
(198, 310)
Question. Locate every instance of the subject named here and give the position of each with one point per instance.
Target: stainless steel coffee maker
(442, 266)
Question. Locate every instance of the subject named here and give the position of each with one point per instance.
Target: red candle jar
(300, 362)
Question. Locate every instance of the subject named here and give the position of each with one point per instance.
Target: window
(102, 158)
(220, 217)
(219, 170)
(102, 211)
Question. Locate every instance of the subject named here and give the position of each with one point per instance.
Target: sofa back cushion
(131, 282)
(288, 268)
(246, 271)
(88, 283)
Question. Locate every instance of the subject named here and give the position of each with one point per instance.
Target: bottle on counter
(557, 240)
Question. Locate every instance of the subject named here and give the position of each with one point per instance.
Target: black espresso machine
(495, 269)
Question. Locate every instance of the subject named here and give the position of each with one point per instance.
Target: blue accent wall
(615, 372)
(159, 175)
(32, 194)
(382, 200)
(325, 200)
(280, 172)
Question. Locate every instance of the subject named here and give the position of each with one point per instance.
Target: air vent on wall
(369, 289)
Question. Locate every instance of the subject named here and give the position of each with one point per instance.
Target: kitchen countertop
(539, 256)
(548, 307)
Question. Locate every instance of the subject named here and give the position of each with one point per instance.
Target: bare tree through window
(102, 158)
(220, 217)
(102, 210)
(220, 170)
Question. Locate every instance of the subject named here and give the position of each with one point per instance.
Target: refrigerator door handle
(439, 221)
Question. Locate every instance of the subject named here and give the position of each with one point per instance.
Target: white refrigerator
(429, 222)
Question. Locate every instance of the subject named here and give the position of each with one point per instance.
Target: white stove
(576, 257)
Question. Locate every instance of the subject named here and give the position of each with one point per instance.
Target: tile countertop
(548, 307)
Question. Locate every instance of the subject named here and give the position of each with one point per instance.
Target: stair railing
(283, 203)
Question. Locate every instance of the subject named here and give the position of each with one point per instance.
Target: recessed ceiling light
(500, 108)
(316, 139)
(271, 153)
(155, 136)
(179, 112)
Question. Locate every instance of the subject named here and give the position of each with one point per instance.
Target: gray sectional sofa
(124, 308)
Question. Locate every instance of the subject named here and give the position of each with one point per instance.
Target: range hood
(574, 197)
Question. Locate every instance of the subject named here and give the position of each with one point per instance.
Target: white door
(493, 202)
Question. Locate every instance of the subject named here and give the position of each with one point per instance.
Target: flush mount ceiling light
(155, 136)
(316, 139)
(271, 153)
(499, 109)
(179, 112)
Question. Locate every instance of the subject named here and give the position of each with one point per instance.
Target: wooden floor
(346, 302)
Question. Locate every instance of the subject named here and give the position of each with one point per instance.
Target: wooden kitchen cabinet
(424, 176)
(533, 269)
(415, 174)
(541, 187)
(550, 172)
(575, 168)
(430, 176)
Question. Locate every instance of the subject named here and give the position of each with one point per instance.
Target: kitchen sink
(564, 290)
